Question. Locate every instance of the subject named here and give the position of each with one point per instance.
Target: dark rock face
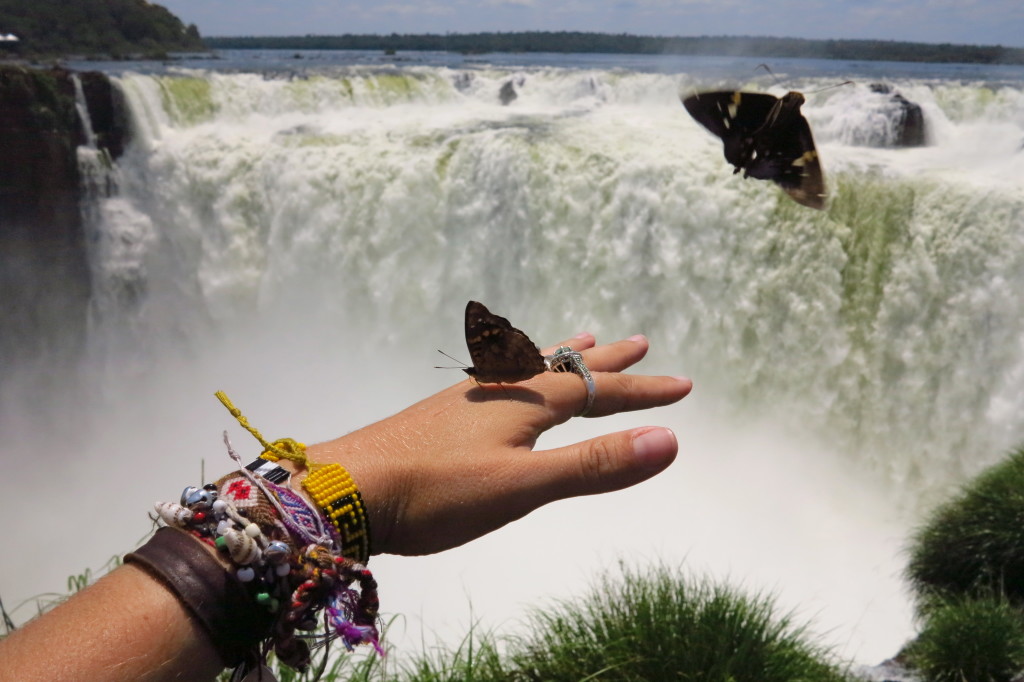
(108, 112)
(507, 94)
(909, 122)
(44, 271)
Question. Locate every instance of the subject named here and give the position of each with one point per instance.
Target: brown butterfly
(766, 137)
(500, 352)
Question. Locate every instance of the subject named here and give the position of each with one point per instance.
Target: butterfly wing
(784, 153)
(500, 352)
(767, 137)
(735, 117)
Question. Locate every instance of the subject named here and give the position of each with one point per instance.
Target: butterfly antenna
(811, 92)
(770, 73)
(450, 358)
(829, 87)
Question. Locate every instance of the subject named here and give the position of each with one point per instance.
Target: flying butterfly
(500, 352)
(766, 137)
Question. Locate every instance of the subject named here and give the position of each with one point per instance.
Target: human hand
(460, 464)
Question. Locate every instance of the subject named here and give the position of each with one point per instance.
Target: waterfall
(83, 113)
(307, 243)
(390, 196)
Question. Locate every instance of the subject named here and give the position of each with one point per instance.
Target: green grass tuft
(970, 640)
(974, 544)
(477, 658)
(659, 625)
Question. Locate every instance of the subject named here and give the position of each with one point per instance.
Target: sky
(980, 22)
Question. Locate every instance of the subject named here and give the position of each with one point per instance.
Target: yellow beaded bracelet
(334, 491)
(329, 485)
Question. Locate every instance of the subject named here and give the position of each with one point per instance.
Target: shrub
(974, 544)
(660, 626)
(970, 640)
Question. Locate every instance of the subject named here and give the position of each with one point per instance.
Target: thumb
(610, 462)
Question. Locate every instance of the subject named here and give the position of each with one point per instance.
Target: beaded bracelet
(329, 486)
(285, 569)
(333, 490)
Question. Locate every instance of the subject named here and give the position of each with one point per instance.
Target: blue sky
(986, 22)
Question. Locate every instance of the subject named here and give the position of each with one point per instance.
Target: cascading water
(307, 243)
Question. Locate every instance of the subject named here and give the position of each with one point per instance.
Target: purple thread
(300, 519)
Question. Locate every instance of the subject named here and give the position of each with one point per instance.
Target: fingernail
(638, 338)
(583, 335)
(685, 380)
(655, 448)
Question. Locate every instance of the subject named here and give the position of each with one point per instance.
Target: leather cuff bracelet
(215, 597)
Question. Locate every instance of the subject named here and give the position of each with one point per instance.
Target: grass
(476, 658)
(337, 666)
(970, 640)
(655, 625)
(661, 625)
(973, 545)
(967, 570)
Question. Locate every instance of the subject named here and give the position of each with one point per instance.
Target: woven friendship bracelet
(333, 490)
(329, 486)
(280, 576)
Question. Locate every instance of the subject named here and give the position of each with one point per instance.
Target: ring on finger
(565, 359)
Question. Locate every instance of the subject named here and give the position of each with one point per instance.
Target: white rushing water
(307, 243)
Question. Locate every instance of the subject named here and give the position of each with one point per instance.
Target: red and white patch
(239, 491)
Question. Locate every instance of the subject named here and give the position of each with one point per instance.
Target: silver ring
(565, 359)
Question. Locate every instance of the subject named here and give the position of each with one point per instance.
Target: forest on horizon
(584, 42)
(138, 28)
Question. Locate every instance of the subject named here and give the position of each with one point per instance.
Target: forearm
(449, 469)
(127, 626)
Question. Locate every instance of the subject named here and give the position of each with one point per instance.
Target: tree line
(112, 28)
(583, 42)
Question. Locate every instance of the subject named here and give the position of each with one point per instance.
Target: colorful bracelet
(333, 490)
(288, 563)
(330, 486)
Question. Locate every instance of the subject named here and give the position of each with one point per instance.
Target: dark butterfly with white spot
(500, 352)
(766, 137)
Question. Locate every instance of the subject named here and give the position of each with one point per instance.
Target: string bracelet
(330, 486)
(280, 574)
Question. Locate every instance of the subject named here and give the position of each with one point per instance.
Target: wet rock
(107, 111)
(891, 670)
(44, 271)
(907, 118)
(507, 94)
(463, 81)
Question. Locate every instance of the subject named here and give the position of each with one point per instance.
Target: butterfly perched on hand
(500, 352)
(766, 137)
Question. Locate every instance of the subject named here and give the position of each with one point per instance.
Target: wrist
(254, 560)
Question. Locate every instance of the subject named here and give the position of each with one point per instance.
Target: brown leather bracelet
(214, 597)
